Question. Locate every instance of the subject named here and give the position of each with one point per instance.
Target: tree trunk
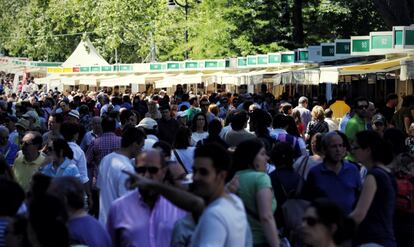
(297, 23)
(395, 12)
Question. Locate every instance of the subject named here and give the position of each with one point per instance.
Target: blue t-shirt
(88, 231)
(377, 226)
(342, 188)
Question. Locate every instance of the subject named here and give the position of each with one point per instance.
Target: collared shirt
(342, 188)
(101, 146)
(9, 152)
(134, 223)
(67, 168)
(111, 181)
(23, 170)
(339, 109)
(14, 137)
(80, 161)
(87, 140)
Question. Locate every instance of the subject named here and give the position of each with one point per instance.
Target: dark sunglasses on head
(310, 221)
(144, 169)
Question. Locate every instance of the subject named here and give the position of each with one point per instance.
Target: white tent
(85, 55)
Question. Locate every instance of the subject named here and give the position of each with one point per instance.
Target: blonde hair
(318, 113)
(213, 108)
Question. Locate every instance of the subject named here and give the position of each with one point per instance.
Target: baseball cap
(23, 123)
(148, 123)
(74, 113)
(378, 118)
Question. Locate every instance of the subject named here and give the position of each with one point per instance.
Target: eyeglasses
(144, 169)
(310, 221)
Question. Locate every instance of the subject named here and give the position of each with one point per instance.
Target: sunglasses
(310, 221)
(362, 107)
(144, 169)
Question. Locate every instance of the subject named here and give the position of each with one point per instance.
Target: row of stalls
(371, 76)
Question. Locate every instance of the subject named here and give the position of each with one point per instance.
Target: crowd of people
(119, 169)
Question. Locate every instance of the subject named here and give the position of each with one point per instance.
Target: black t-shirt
(388, 113)
(377, 227)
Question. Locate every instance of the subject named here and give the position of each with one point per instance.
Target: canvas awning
(306, 76)
(381, 66)
(407, 70)
(329, 75)
(122, 81)
(85, 54)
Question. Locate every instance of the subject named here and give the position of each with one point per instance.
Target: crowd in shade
(223, 169)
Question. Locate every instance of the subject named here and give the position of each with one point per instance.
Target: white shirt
(111, 181)
(196, 137)
(224, 131)
(186, 156)
(79, 160)
(149, 142)
(223, 223)
(331, 124)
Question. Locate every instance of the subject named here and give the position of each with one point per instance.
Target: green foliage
(51, 29)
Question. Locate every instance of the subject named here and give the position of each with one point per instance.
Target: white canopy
(85, 55)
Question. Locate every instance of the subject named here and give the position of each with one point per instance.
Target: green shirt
(250, 182)
(354, 125)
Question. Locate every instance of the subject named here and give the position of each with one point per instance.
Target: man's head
(280, 121)
(333, 147)
(12, 196)
(239, 120)
(392, 100)
(149, 125)
(54, 122)
(303, 101)
(165, 112)
(211, 166)
(96, 125)
(73, 116)
(151, 164)
(361, 106)
(69, 131)
(69, 190)
(31, 144)
(204, 104)
(194, 102)
(132, 140)
(4, 136)
(378, 123)
(108, 125)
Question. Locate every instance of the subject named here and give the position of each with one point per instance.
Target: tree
(396, 12)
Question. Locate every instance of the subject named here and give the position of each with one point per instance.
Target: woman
(403, 118)
(298, 120)
(325, 225)
(199, 128)
(317, 124)
(375, 208)
(260, 122)
(60, 157)
(306, 162)
(255, 190)
(183, 152)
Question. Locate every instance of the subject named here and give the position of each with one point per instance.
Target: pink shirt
(132, 222)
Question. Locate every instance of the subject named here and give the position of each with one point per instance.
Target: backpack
(405, 194)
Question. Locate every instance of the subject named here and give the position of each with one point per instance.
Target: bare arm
(264, 206)
(365, 199)
(407, 124)
(181, 198)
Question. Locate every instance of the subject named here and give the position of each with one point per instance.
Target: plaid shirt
(100, 147)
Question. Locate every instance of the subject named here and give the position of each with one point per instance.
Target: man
(194, 108)
(378, 124)
(305, 114)
(74, 117)
(238, 132)
(280, 124)
(144, 217)
(29, 159)
(83, 228)
(22, 126)
(111, 180)
(388, 111)
(339, 108)
(91, 135)
(54, 128)
(167, 126)
(7, 149)
(332, 124)
(10, 123)
(149, 126)
(334, 179)
(223, 222)
(204, 103)
(357, 122)
(107, 143)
